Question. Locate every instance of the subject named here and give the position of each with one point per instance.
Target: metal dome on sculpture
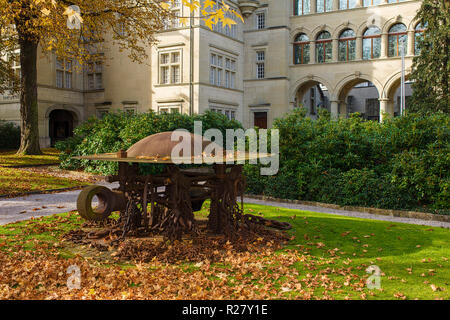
(158, 148)
(160, 145)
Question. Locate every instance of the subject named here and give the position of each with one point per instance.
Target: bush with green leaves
(120, 130)
(402, 163)
(9, 135)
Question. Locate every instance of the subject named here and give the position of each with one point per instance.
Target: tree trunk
(29, 139)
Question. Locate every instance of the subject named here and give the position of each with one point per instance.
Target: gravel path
(21, 208)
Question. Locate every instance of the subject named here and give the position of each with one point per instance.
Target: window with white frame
(230, 113)
(14, 61)
(261, 20)
(165, 109)
(222, 71)
(170, 67)
(176, 9)
(216, 69)
(226, 30)
(63, 73)
(95, 76)
(260, 64)
(230, 31)
(230, 73)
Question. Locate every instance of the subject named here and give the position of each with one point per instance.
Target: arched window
(347, 4)
(324, 5)
(367, 3)
(371, 43)
(323, 47)
(302, 7)
(418, 36)
(347, 45)
(398, 40)
(301, 49)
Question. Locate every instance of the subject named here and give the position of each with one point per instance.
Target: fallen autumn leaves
(42, 275)
(322, 260)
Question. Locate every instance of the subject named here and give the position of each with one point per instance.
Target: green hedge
(9, 135)
(120, 130)
(402, 163)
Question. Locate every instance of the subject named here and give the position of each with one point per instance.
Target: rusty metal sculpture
(173, 196)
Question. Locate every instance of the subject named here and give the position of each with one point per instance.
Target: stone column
(358, 48)
(410, 49)
(385, 108)
(384, 45)
(335, 48)
(334, 109)
(359, 3)
(312, 52)
(343, 109)
(335, 5)
(313, 6)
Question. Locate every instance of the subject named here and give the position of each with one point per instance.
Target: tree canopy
(77, 30)
(431, 68)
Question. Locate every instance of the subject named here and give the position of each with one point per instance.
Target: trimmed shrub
(9, 135)
(120, 130)
(402, 163)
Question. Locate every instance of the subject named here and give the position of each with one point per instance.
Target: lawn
(326, 258)
(8, 158)
(15, 181)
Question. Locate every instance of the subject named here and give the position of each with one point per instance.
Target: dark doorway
(260, 120)
(373, 109)
(61, 125)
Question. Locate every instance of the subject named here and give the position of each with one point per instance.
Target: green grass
(396, 248)
(14, 182)
(412, 258)
(9, 158)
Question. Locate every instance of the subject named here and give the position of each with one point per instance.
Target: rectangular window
(301, 7)
(63, 73)
(169, 109)
(230, 113)
(170, 67)
(164, 75)
(260, 64)
(14, 62)
(95, 76)
(175, 9)
(175, 74)
(130, 109)
(230, 31)
(347, 4)
(260, 20)
(222, 71)
(212, 75)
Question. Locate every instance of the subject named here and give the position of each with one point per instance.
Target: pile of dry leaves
(193, 248)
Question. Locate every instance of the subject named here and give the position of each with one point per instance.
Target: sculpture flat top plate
(238, 157)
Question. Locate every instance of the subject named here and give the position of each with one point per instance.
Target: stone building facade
(288, 53)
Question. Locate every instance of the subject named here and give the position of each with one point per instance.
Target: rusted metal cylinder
(108, 202)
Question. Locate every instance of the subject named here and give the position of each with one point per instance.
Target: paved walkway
(355, 214)
(21, 208)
